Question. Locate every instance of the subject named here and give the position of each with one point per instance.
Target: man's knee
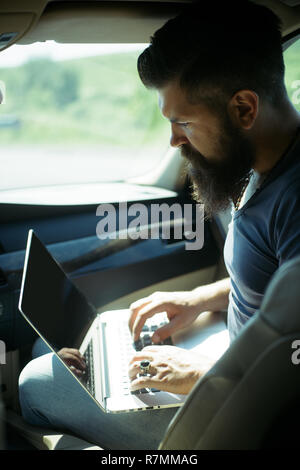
(34, 382)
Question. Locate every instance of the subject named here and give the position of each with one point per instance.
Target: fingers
(135, 307)
(167, 330)
(73, 359)
(143, 309)
(150, 380)
(138, 380)
(134, 364)
(144, 354)
(135, 371)
(142, 316)
(160, 373)
(145, 382)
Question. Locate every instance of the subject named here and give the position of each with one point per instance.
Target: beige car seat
(249, 399)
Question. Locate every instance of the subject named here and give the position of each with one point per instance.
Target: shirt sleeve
(287, 224)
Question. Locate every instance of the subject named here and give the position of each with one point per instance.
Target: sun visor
(17, 18)
(102, 22)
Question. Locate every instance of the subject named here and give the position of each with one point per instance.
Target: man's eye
(184, 124)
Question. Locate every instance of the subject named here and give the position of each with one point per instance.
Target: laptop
(63, 317)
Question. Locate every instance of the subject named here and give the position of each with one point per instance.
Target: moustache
(196, 160)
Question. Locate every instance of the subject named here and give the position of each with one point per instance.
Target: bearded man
(220, 83)
(219, 74)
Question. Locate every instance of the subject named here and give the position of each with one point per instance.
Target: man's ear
(243, 108)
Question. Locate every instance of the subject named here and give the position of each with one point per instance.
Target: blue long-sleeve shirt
(263, 234)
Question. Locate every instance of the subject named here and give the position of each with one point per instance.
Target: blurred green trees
(94, 100)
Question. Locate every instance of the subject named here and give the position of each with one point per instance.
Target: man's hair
(217, 50)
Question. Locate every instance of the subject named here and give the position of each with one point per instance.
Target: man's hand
(74, 360)
(172, 369)
(181, 308)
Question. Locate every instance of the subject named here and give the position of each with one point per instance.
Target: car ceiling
(99, 21)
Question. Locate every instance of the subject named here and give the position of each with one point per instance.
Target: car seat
(249, 399)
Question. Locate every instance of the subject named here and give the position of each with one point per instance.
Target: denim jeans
(50, 397)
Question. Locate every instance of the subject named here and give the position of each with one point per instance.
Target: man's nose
(178, 138)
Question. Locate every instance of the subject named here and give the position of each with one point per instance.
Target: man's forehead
(175, 106)
(173, 103)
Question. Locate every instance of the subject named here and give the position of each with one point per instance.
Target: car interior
(43, 190)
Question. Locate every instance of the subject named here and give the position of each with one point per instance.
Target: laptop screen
(50, 301)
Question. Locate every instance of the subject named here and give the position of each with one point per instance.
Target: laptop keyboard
(89, 371)
(127, 349)
(145, 337)
(145, 340)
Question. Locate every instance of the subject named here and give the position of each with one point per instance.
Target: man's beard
(219, 181)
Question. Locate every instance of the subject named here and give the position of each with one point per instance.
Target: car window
(76, 113)
(292, 73)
